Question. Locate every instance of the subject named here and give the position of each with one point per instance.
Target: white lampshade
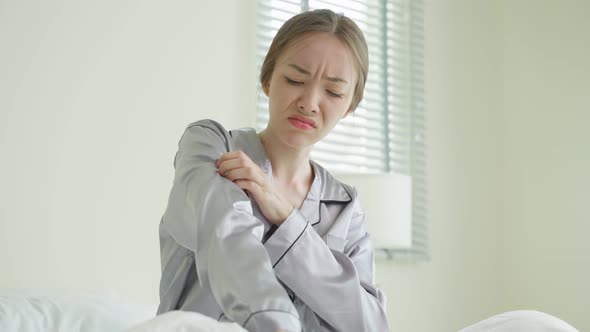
(386, 199)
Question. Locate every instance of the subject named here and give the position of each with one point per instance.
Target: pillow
(519, 321)
(28, 310)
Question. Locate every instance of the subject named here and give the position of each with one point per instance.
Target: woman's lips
(300, 124)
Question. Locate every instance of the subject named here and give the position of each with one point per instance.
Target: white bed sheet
(94, 311)
(53, 310)
(65, 311)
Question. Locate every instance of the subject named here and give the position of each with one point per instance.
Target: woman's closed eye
(293, 82)
(334, 94)
(331, 93)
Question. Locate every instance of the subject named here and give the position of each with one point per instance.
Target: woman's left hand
(237, 167)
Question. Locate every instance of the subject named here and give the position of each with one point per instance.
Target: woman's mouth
(300, 124)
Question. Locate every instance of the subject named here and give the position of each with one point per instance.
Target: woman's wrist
(285, 214)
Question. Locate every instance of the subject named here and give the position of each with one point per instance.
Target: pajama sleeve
(334, 279)
(213, 217)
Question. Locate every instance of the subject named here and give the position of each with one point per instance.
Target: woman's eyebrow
(306, 72)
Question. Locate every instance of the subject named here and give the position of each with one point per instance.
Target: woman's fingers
(232, 155)
(236, 165)
(230, 164)
(245, 173)
(231, 160)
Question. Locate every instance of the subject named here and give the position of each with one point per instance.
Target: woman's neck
(290, 166)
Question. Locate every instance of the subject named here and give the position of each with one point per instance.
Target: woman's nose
(309, 100)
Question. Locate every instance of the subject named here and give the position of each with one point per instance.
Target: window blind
(386, 131)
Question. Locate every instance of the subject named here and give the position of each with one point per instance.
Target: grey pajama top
(222, 258)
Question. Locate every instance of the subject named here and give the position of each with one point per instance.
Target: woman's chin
(298, 141)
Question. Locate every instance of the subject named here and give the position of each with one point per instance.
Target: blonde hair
(321, 20)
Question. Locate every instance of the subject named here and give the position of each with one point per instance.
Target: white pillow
(519, 321)
(27, 310)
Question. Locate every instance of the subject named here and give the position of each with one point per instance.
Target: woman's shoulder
(207, 124)
(204, 133)
(210, 125)
(210, 135)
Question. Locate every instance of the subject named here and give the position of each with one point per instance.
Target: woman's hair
(321, 20)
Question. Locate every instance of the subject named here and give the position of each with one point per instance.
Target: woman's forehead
(319, 50)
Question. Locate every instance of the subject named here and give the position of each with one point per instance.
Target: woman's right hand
(237, 167)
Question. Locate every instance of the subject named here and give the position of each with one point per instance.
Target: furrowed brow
(299, 69)
(306, 72)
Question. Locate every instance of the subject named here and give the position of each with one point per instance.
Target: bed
(64, 311)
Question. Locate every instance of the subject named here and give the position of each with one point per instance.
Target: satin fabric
(222, 258)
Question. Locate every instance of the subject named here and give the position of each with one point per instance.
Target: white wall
(508, 109)
(463, 74)
(94, 96)
(546, 161)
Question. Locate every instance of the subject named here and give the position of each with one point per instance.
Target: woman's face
(310, 90)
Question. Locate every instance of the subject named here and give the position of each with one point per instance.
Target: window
(386, 132)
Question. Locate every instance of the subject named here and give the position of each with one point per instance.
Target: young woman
(257, 233)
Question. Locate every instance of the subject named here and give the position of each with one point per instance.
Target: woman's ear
(266, 88)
